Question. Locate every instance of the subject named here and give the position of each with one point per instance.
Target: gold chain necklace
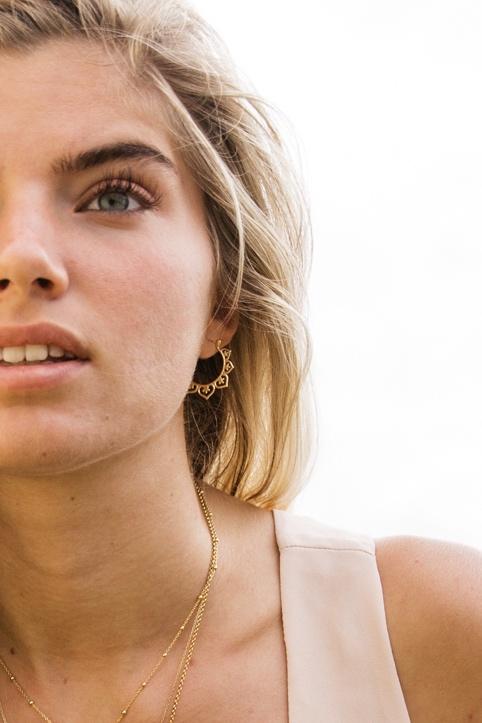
(188, 651)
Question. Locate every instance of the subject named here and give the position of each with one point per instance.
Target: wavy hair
(253, 439)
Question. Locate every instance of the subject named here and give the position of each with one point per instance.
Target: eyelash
(127, 182)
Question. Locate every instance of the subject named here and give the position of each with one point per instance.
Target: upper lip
(43, 333)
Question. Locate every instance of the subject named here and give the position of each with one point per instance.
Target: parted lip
(43, 333)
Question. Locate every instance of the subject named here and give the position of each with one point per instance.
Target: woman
(152, 404)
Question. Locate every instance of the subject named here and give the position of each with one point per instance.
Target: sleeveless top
(339, 657)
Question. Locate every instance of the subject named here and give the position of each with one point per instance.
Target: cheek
(157, 306)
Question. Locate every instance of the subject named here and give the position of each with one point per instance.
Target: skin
(104, 545)
(432, 595)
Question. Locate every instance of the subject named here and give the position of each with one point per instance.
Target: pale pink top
(340, 662)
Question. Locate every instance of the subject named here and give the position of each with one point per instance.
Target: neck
(102, 560)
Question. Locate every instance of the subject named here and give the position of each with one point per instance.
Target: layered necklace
(181, 673)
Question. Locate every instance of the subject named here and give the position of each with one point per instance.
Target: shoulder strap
(340, 662)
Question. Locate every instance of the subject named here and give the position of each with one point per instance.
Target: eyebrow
(121, 150)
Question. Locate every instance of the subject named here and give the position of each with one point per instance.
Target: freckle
(12, 650)
(72, 498)
(65, 680)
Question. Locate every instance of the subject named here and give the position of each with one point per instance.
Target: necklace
(200, 604)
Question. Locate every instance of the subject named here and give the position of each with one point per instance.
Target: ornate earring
(222, 381)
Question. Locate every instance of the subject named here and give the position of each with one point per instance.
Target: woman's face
(134, 281)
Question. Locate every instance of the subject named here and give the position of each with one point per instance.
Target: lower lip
(26, 377)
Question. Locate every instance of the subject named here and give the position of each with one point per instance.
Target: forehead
(67, 93)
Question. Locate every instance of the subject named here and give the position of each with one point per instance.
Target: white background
(384, 102)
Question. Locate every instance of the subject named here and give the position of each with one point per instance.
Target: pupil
(115, 200)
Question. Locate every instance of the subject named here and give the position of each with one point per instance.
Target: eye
(113, 200)
(121, 195)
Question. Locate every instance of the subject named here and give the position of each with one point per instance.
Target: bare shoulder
(433, 601)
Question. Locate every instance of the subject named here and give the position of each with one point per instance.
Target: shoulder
(433, 601)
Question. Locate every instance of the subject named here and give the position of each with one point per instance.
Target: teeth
(56, 351)
(13, 354)
(36, 352)
(32, 353)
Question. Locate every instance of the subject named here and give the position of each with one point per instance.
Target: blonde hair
(253, 439)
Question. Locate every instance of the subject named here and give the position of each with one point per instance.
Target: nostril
(44, 283)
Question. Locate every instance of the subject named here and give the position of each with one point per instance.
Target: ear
(218, 329)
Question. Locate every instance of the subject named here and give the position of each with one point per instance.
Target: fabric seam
(331, 549)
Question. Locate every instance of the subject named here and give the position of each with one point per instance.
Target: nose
(29, 270)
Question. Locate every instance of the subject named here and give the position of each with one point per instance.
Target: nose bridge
(29, 258)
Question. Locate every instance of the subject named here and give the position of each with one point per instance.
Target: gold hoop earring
(221, 382)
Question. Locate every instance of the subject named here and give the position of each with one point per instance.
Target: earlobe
(218, 330)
